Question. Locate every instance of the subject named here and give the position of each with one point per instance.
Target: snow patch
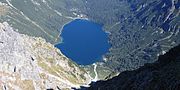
(163, 52)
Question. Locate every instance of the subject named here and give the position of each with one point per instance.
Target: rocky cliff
(28, 63)
(164, 74)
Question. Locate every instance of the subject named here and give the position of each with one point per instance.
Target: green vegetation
(139, 30)
(40, 19)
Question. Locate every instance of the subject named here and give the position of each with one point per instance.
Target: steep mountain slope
(164, 74)
(140, 30)
(28, 63)
(41, 18)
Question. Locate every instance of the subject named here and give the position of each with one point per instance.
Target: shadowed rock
(164, 74)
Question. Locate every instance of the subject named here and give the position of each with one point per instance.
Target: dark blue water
(84, 42)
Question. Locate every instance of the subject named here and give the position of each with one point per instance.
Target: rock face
(164, 74)
(28, 63)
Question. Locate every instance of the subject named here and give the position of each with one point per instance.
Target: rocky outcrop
(164, 74)
(28, 63)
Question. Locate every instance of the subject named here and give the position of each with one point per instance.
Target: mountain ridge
(160, 75)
